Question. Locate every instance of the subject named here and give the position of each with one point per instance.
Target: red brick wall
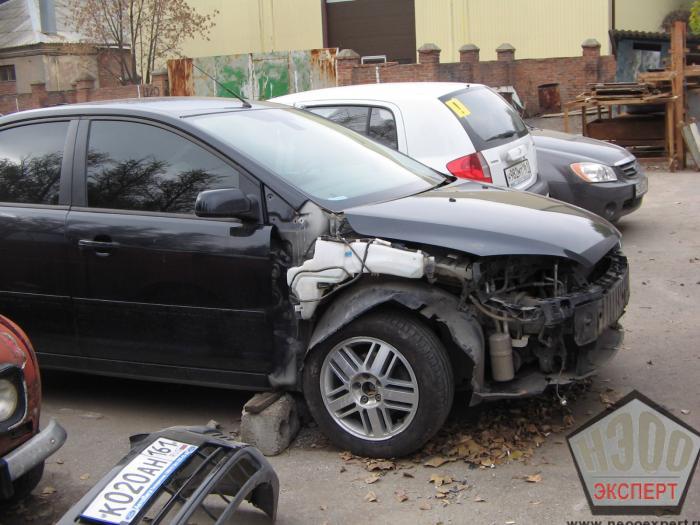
(571, 73)
(39, 97)
(8, 87)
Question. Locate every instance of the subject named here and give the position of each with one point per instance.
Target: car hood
(577, 147)
(486, 220)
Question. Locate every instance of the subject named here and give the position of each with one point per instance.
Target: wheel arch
(458, 330)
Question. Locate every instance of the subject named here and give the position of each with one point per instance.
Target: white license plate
(641, 187)
(130, 490)
(518, 173)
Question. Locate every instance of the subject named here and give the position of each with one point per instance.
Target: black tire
(26, 483)
(426, 355)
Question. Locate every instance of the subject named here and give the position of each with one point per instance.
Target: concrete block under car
(269, 422)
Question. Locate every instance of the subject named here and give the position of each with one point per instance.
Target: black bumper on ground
(220, 471)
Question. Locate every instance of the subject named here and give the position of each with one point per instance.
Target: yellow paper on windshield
(458, 108)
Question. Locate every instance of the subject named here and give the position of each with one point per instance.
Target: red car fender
(17, 350)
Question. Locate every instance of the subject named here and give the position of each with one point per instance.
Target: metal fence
(257, 76)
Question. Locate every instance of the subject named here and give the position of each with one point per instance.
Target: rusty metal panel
(256, 76)
(313, 69)
(180, 77)
(270, 75)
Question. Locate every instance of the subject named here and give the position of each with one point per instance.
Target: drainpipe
(47, 11)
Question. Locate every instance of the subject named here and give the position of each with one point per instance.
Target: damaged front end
(547, 321)
(513, 324)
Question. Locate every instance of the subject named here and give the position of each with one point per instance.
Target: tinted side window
(352, 117)
(382, 127)
(30, 162)
(134, 166)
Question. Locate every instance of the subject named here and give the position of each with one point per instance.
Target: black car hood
(486, 220)
(577, 147)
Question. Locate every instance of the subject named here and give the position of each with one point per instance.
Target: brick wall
(526, 76)
(83, 91)
(8, 87)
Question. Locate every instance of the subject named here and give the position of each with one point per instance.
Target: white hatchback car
(466, 130)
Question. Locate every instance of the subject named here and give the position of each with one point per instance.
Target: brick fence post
(429, 59)
(83, 88)
(39, 95)
(505, 53)
(159, 80)
(469, 54)
(345, 61)
(590, 48)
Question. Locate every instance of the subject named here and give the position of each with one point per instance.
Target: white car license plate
(641, 187)
(518, 173)
(129, 491)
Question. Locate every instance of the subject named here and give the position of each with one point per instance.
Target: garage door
(373, 27)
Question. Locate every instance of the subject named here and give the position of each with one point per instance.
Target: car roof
(384, 91)
(173, 107)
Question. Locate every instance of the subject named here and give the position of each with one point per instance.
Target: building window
(7, 73)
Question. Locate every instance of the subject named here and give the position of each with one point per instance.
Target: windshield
(488, 119)
(335, 167)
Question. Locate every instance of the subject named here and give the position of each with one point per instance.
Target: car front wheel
(382, 386)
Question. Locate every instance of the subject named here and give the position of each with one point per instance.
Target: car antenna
(245, 103)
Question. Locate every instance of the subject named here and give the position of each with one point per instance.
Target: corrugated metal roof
(626, 34)
(20, 25)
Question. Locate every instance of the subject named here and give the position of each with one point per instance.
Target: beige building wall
(536, 28)
(244, 26)
(644, 15)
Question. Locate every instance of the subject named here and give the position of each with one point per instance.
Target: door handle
(101, 248)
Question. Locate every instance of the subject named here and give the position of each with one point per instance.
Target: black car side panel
(172, 290)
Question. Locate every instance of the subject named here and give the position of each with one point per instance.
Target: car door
(35, 256)
(160, 288)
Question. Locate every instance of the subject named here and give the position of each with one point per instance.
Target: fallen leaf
(535, 502)
(408, 475)
(440, 495)
(380, 464)
(345, 455)
(425, 506)
(436, 461)
(533, 478)
(371, 497)
(440, 480)
(372, 479)
(59, 462)
(322, 507)
(48, 490)
(400, 495)
(85, 476)
(443, 490)
(342, 469)
(685, 411)
(516, 455)
(479, 499)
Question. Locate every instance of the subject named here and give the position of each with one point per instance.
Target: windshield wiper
(503, 135)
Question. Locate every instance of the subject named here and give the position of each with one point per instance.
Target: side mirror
(226, 203)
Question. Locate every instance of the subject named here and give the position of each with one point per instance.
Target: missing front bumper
(530, 381)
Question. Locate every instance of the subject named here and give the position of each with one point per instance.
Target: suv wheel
(382, 386)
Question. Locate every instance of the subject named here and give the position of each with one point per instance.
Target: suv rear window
(485, 116)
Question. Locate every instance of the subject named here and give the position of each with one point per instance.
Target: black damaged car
(260, 247)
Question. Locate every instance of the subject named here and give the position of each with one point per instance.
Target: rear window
(485, 116)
